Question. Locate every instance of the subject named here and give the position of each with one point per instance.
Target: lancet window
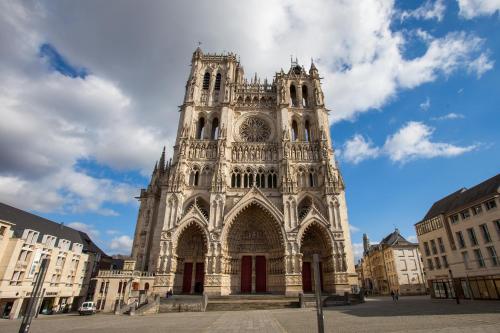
(206, 81)
(249, 177)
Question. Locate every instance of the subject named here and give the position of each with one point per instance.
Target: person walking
(396, 295)
(393, 295)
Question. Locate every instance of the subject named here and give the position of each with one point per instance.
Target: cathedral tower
(252, 190)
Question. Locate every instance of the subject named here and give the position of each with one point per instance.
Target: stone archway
(315, 239)
(254, 252)
(191, 251)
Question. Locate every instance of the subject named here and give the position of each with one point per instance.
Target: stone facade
(394, 264)
(66, 281)
(460, 240)
(252, 190)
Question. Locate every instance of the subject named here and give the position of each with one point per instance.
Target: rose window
(254, 129)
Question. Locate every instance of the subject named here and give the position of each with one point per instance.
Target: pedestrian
(397, 295)
(393, 296)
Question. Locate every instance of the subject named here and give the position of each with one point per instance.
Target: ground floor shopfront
(471, 287)
(12, 308)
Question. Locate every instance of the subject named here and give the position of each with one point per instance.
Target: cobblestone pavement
(410, 314)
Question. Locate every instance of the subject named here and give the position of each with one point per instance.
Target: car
(87, 308)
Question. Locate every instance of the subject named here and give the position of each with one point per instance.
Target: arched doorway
(315, 240)
(255, 253)
(191, 252)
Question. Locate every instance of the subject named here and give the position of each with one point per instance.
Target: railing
(121, 273)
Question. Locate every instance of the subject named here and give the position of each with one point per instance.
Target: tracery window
(206, 81)
(194, 176)
(307, 131)
(254, 129)
(293, 95)
(217, 82)
(304, 96)
(295, 131)
(200, 129)
(250, 177)
(215, 129)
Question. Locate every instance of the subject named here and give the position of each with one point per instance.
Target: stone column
(16, 308)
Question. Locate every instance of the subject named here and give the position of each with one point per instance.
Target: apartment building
(459, 239)
(392, 265)
(26, 239)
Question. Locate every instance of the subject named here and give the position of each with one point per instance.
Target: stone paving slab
(411, 314)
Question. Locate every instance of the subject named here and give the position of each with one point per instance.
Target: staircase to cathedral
(251, 302)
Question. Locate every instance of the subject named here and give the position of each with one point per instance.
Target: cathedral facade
(252, 190)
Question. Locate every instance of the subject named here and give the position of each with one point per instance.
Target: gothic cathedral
(252, 190)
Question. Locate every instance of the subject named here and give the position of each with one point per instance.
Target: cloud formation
(429, 10)
(410, 142)
(473, 8)
(117, 107)
(121, 245)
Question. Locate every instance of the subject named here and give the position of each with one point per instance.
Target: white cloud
(480, 65)
(472, 8)
(358, 149)
(429, 10)
(413, 141)
(87, 228)
(126, 109)
(410, 142)
(357, 249)
(353, 228)
(449, 116)
(121, 244)
(425, 105)
(112, 232)
(412, 238)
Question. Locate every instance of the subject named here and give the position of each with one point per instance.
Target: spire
(366, 243)
(162, 160)
(313, 71)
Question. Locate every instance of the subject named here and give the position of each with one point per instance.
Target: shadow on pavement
(410, 306)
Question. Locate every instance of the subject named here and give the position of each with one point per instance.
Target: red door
(260, 274)
(188, 275)
(246, 274)
(199, 277)
(306, 277)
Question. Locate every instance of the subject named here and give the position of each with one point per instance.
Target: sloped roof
(395, 238)
(464, 196)
(23, 220)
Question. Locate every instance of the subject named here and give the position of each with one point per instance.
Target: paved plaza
(411, 314)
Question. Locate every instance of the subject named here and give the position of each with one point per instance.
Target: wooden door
(306, 277)
(246, 274)
(260, 274)
(186, 279)
(199, 277)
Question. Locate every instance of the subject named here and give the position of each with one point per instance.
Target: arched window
(311, 179)
(293, 95)
(120, 288)
(206, 177)
(307, 131)
(215, 129)
(272, 179)
(135, 285)
(217, 82)
(236, 178)
(200, 130)
(206, 81)
(194, 177)
(146, 286)
(304, 96)
(124, 287)
(295, 131)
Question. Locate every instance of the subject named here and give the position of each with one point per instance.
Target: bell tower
(252, 188)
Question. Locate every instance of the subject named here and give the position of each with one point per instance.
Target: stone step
(251, 304)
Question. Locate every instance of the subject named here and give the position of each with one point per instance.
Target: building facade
(26, 239)
(459, 238)
(394, 265)
(252, 190)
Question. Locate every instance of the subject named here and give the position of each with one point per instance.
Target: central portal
(255, 253)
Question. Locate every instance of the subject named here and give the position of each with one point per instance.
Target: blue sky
(88, 98)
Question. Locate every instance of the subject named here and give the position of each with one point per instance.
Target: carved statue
(282, 93)
(318, 95)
